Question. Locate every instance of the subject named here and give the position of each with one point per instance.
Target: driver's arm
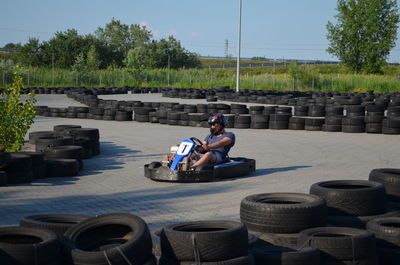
(225, 141)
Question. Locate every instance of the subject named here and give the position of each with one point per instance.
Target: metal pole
(239, 40)
(52, 76)
(168, 67)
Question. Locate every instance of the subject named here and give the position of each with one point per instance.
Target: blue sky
(289, 29)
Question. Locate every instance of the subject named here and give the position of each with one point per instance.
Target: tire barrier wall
(58, 153)
(322, 111)
(285, 228)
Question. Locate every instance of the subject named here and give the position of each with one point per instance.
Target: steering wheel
(198, 144)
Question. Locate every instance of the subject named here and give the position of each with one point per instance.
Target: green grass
(317, 78)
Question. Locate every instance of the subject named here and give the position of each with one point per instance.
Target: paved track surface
(286, 161)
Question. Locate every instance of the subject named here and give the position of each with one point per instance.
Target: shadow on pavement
(268, 171)
(158, 206)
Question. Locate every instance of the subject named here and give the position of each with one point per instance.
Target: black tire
(352, 197)
(172, 122)
(113, 237)
(358, 221)
(35, 135)
(333, 120)
(299, 120)
(108, 118)
(259, 125)
(37, 157)
(390, 178)
(388, 130)
(20, 177)
(48, 142)
(259, 118)
(66, 151)
(313, 128)
(388, 256)
(277, 239)
(214, 240)
(331, 128)
(278, 125)
(241, 125)
(39, 171)
(86, 144)
(61, 128)
(279, 117)
(243, 260)
(23, 245)
(3, 178)
(386, 230)
(282, 212)
(314, 122)
(62, 168)
(92, 133)
(296, 126)
(353, 128)
(341, 243)
(243, 119)
(373, 260)
(142, 118)
(373, 127)
(4, 158)
(57, 223)
(18, 162)
(277, 255)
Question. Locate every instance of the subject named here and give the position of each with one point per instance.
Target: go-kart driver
(217, 144)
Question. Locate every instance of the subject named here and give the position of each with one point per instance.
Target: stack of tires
(242, 121)
(374, 118)
(387, 233)
(297, 123)
(18, 168)
(314, 124)
(259, 121)
(391, 125)
(205, 242)
(352, 203)
(353, 124)
(390, 178)
(276, 219)
(332, 124)
(116, 239)
(340, 245)
(39, 165)
(4, 158)
(141, 114)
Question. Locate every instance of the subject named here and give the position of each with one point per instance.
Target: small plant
(15, 117)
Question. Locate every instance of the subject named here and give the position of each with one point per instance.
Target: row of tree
(362, 38)
(114, 46)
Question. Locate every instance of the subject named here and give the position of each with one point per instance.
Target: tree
(138, 59)
(365, 32)
(120, 38)
(92, 61)
(30, 52)
(171, 50)
(15, 117)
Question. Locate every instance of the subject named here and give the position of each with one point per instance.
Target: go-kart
(175, 167)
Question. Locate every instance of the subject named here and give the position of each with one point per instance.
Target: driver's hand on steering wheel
(205, 146)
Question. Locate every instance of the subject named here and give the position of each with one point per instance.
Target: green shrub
(15, 117)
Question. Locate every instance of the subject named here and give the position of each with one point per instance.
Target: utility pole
(239, 40)
(226, 49)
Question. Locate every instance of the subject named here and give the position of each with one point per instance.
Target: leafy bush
(15, 117)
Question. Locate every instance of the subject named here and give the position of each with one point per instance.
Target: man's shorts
(218, 156)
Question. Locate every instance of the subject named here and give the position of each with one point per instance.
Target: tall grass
(251, 78)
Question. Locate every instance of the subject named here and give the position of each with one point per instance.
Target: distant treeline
(116, 45)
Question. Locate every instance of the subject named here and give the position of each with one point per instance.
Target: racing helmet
(218, 118)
